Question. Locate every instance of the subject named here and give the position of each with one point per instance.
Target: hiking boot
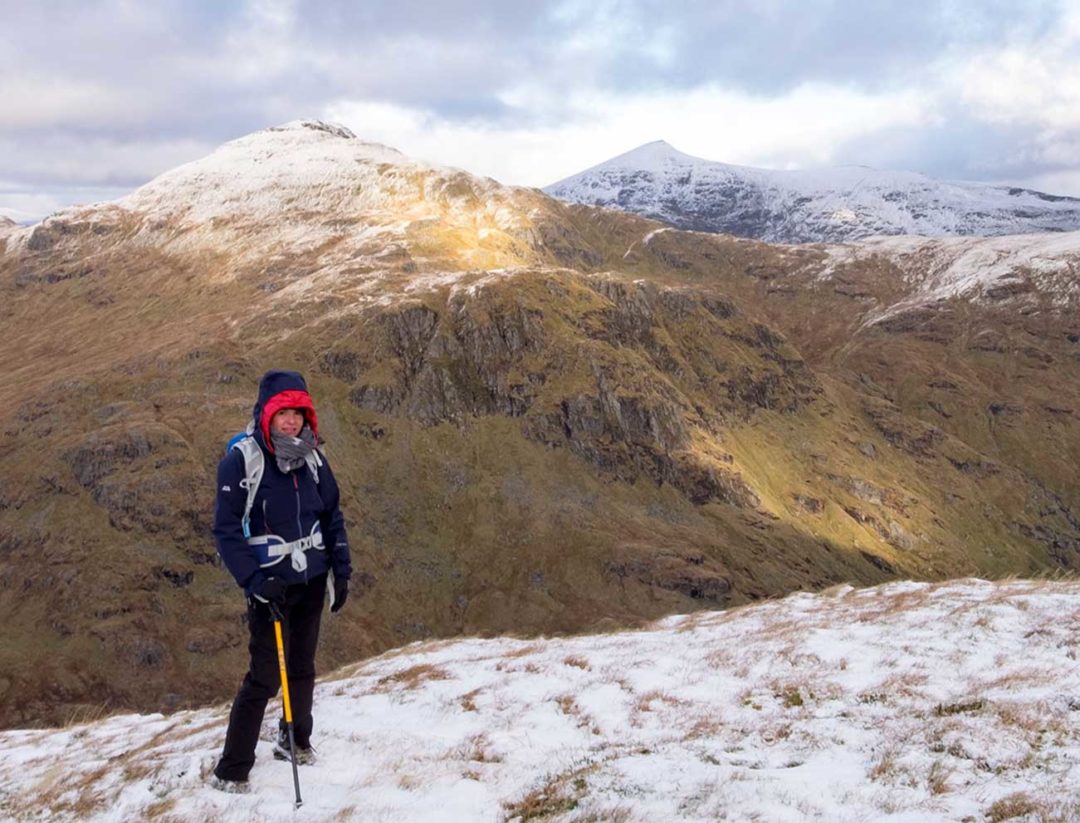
(229, 786)
(305, 756)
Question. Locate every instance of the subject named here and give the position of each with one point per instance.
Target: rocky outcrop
(692, 575)
(143, 476)
(902, 431)
(617, 372)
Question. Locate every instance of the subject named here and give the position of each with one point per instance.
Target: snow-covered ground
(905, 702)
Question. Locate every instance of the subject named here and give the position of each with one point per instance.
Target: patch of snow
(1039, 266)
(843, 216)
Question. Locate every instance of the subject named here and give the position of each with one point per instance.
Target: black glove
(341, 593)
(272, 590)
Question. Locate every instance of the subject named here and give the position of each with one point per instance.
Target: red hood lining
(289, 399)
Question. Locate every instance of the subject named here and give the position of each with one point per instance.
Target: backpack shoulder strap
(253, 470)
(314, 462)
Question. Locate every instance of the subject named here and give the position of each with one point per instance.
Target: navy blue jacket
(286, 504)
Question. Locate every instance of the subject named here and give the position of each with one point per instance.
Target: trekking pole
(285, 698)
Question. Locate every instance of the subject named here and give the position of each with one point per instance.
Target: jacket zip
(299, 525)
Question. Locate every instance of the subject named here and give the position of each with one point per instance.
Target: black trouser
(302, 612)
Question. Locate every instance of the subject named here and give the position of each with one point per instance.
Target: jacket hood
(279, 390)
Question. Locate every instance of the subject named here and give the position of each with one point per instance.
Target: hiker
(286, 546)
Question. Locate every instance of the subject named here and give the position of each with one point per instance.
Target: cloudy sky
(99, 96)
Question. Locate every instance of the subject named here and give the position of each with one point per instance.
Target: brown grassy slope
(535, 450)
(1001, 374)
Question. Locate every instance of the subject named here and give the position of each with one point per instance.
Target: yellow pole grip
(284, 675)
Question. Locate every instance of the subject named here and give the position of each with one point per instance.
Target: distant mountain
(827, 205)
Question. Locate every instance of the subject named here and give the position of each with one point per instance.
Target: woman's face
(288, 422)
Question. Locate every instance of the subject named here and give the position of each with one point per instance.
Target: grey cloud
(773, 46)
(183, 73)
(29, 204)
(965, 149)
(454, 58)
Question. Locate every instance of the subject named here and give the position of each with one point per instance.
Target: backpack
(254, 463)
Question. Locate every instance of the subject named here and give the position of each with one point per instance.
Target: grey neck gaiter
(291, 452)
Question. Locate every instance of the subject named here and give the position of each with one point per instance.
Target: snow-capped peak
(835, 204)
(304, 164)
(335, 129)
(308, 187)
(649, 157)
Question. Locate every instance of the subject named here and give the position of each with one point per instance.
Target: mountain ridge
(801, 206)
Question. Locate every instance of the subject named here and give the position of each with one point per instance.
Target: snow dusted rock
(836, 205)
(1014, 270)
(7, 228)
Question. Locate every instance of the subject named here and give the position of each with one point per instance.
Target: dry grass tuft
(577, 661)
(408, 782)
(539, 803)
(476, 749)
(960, 707)
(791, 696)
(938, 779)
(708, 726)
(885, 766)
(87, 714)
(156, 811)
(524, 651)
(645, 702)
(559, 794)
(568, 705)
(1034, 720)
(1010, 807)
(893, 605)
(468, 700)
(608, 814)
(411, 678)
